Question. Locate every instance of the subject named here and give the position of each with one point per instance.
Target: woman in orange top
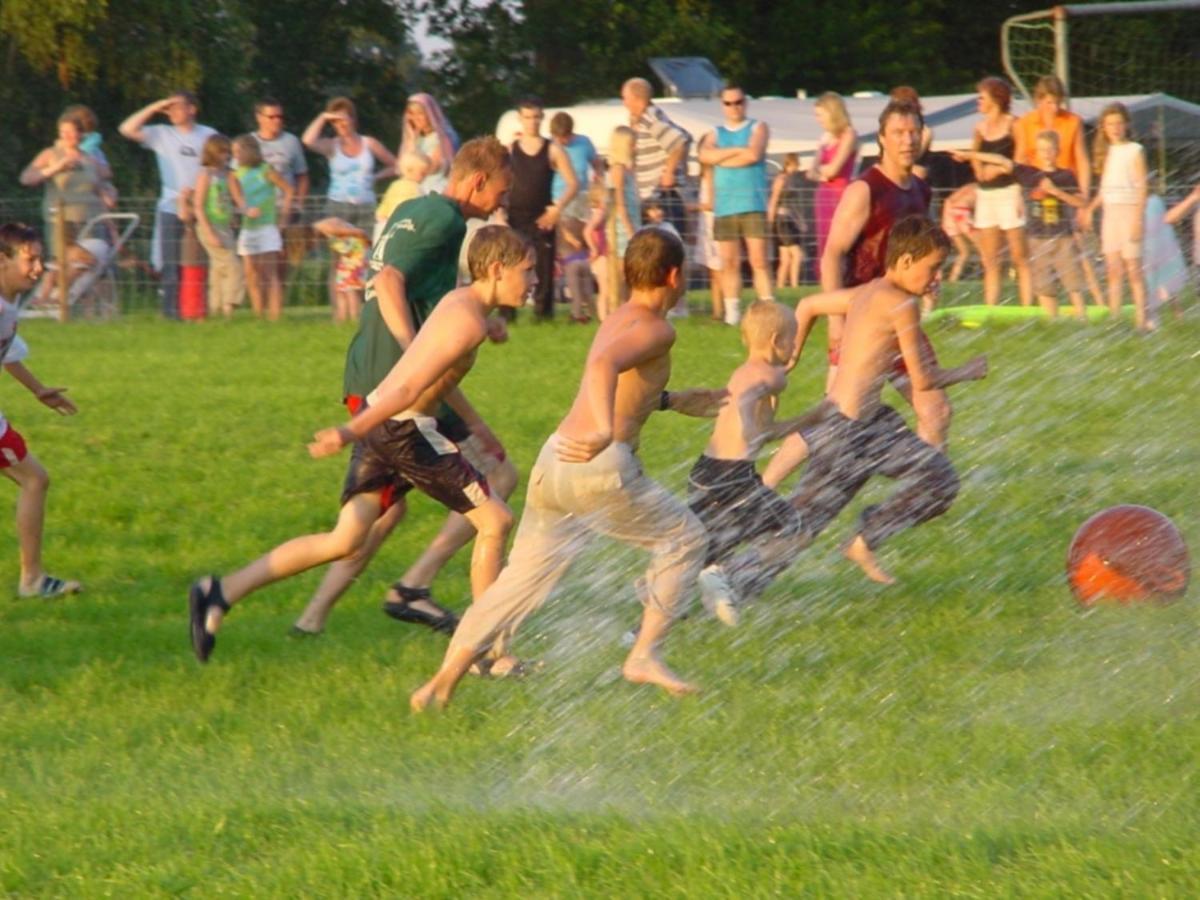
(1049, 114)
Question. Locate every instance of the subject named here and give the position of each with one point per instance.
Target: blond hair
(214, 146)
(1100, 141)
(495, 244)
(621, 145)
(764, 320)
(248, 152)
(484, 155)
(414, 165)
(832, 103)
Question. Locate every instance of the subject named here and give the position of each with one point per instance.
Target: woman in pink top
(833, 165)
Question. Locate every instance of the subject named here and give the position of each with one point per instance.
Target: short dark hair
(998, 90)
(495, 243)
(651, 255)
(187, 96)
(561, 124)
(915, 236)
(530, 101)
(14, 235)
(900, 108)
(733, 86)
(264, 102)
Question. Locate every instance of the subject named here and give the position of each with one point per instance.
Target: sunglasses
(272, 115)
(741, 102)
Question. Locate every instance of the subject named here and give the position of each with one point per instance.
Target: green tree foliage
(116, 57)
(568, 52)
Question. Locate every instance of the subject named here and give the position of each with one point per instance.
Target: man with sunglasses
(737, 152)
(284, 153)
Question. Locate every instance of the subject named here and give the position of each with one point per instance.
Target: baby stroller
(92, 261)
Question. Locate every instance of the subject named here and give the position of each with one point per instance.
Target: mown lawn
(969, 732)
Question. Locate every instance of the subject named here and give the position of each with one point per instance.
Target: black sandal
(200, 602)
(429, 613)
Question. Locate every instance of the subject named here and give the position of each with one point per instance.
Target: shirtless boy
(726, 492)
(414, 264)
(859, 436)
(400, 445)
(856, 253)
(587, 479)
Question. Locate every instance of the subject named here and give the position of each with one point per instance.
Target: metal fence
(129, 283)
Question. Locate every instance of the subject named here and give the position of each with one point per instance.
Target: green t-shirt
(422, 240)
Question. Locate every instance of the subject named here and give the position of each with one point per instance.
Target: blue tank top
(352, 178)
(741, 189)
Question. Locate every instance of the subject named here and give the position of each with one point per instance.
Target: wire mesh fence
(126, 278)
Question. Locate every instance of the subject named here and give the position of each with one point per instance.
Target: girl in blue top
(259, 242)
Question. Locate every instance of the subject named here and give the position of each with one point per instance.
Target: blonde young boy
(398, 445)
(724, 489)
(588, 481)
(413, 168)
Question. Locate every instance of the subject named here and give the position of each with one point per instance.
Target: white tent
(794, 128)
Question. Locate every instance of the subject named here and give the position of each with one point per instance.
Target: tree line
(117, 55)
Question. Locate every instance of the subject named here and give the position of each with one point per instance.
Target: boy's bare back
(627, 368)
(754, 388)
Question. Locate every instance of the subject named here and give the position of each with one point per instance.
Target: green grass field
(970, 732)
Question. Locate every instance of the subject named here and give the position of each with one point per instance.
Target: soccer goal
(1107, 49)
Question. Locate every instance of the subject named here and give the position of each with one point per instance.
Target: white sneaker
(717, 595)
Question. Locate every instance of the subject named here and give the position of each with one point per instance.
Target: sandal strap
(216, 597)
(408, 594)
(51, 586)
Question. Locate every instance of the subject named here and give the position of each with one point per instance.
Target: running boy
(398, 445)
(859, 436)
(20, 269)
(726, 492)
(587, 479)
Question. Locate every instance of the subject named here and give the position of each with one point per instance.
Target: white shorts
(1002, 208)
(1116, 231)
(708, 252)
(264, 239)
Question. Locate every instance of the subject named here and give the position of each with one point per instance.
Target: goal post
(1040, 43)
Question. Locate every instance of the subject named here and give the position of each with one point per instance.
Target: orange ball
(1128, 554)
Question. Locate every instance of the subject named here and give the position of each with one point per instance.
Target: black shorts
(787, 231)
(844, 453)
(730, 499)
(397, 456)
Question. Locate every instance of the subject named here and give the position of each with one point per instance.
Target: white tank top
(352, 178)
(1120, 183)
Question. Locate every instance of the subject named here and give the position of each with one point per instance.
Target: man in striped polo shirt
(661, 151)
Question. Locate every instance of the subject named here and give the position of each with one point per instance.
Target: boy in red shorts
(20, 268)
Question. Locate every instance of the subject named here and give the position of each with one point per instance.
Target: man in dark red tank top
(531, 210)
(857, 245)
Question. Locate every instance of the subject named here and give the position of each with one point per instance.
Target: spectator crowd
(234, 217)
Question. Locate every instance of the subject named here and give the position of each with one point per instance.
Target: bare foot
(858, 552)
(310, 623)
(651, 670)
(506, 666)
(427, 695)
